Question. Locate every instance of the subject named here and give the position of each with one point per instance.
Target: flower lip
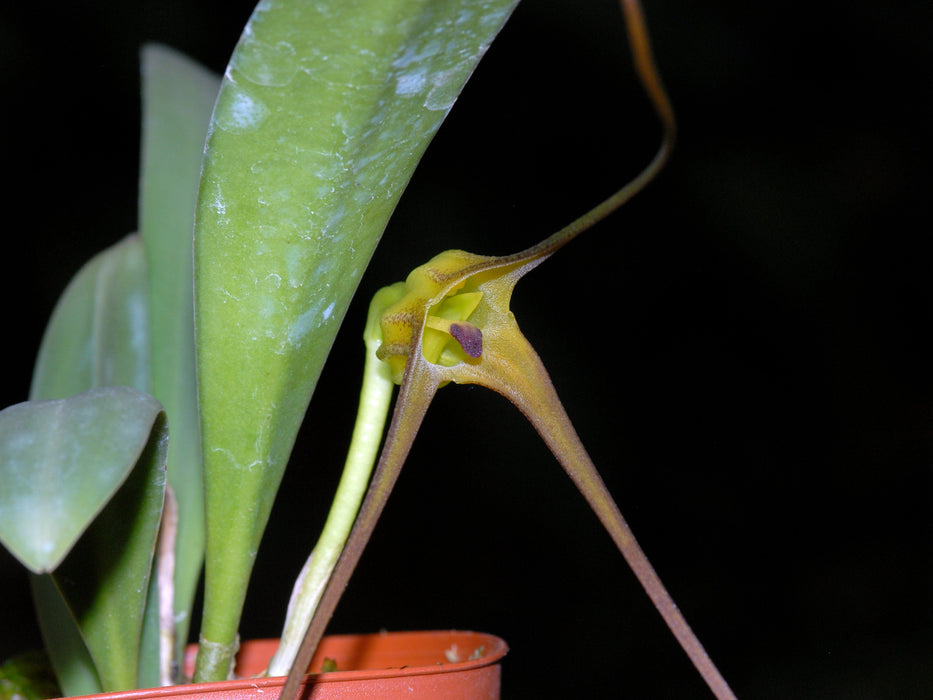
(469, 336)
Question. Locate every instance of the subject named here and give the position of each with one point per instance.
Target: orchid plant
(169, 388)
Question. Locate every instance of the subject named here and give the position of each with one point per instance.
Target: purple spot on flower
(470, 338)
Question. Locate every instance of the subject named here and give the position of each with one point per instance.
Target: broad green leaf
(61, 461)
(98, 335)
(323, 114)
(105, 577)
(178, 98)
(111, 442)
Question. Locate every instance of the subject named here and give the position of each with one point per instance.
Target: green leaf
(106, 576)
(178, 98)
(323, 114)
(60, 462)
(98, 334)
(68, 653)
(91, 462)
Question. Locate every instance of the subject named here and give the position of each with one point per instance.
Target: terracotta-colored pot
(385, 666)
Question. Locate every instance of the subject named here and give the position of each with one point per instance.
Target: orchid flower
(450, 321)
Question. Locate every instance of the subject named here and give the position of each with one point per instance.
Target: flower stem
(375, 399)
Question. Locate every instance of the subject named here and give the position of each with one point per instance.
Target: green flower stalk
(375, 401)
(450, 322)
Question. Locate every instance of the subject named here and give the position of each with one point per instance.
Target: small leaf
(61, 461)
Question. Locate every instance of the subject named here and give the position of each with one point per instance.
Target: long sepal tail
(512, 367)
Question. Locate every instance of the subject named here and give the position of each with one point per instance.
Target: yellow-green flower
(450, 321)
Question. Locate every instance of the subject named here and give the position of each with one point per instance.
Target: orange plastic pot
(388, 665)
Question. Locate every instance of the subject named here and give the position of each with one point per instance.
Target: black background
(744, 349)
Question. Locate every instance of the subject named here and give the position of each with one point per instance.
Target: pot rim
(494, 648)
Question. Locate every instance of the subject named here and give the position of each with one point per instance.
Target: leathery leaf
(322, 116)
